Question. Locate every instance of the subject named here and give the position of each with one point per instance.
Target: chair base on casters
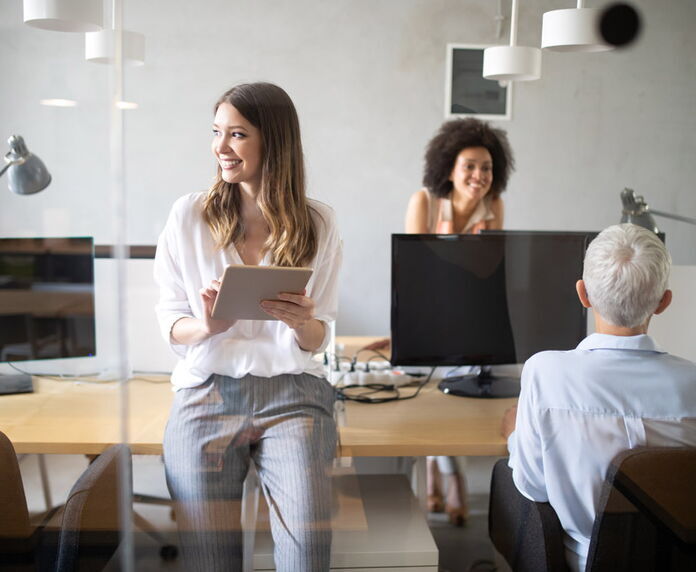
(167, 550)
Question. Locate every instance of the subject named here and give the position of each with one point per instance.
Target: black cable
(13, 366)
(148, 380)
(88, 377)
(376, 388)
(376, 352)
(53, 376)
(380, 357)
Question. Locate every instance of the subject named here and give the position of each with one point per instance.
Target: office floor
(466, 549)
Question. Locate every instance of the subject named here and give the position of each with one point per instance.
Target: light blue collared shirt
(578, 409)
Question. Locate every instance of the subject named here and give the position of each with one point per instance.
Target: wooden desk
(431, 424)
(74, 417)
(377, 525)
(79, 417)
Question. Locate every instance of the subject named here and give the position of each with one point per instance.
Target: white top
(187, 260)
(440, 210)
(578, 409)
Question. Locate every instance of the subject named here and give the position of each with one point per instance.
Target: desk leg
(418, 482)
(45, 485)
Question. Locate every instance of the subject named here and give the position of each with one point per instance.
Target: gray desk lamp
(27, 173)
(637, 212)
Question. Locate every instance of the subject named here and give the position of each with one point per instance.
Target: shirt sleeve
(173, 301)
(324, 290)
(524, 443)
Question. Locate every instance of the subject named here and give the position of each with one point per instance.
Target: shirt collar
(642, 342)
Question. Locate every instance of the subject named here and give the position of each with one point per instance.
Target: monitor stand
(483, 384)
(16, 383)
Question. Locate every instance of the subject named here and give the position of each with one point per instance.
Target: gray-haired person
(617, 390)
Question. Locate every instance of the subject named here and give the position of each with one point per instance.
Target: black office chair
(17, 535)
(91, 523)
(527, 534)
(530, 537)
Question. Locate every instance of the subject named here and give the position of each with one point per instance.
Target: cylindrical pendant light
(100, 47)
(573, 30)
(513, 62)
(64, 15)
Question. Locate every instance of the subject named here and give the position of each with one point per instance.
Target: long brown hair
(281, 199)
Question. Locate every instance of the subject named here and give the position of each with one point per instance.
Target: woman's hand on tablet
(297, 311)
(293, 309)
(210, 324)
(191, 331)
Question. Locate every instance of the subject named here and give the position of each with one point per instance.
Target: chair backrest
(526, 533)
(16, 532)
(530, 537)
(90, 529)
(14, 515)
(626, 538)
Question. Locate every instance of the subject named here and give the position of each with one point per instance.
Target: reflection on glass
(46, 298)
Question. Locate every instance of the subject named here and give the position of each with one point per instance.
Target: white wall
(368, 79)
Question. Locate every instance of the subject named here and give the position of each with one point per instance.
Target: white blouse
(187, 260)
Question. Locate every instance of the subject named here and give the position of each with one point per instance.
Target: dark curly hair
(452, 137)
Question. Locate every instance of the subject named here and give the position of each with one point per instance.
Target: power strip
(394, 377)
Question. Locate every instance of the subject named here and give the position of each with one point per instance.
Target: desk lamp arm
(9, 164)
(636, 211)
(674, 216)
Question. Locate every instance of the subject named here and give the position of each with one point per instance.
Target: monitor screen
(492, 298)
(46, 298)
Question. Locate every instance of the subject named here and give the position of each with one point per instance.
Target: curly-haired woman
(467, 166)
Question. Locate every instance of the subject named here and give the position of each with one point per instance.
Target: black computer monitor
(482, 300)
(46, 302)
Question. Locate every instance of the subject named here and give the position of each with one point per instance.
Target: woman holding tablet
(467, 166)
(249, 390)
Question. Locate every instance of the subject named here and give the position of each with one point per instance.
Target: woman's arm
(190, 331)
(417, 213)
(310, 336)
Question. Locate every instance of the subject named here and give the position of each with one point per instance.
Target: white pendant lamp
(573, 30)
(64, 15)
(100, 47)
(513, 62)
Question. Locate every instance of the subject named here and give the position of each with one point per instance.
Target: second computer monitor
(493, 298)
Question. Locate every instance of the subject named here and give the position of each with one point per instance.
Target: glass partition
(64, 357)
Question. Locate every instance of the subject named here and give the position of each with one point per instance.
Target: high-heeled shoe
(456, 505)
(436, 502)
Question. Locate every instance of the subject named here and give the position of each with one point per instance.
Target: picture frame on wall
(467, 92)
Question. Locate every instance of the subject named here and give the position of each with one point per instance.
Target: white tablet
(244, 287)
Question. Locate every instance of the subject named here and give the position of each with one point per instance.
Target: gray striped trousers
(285, 425)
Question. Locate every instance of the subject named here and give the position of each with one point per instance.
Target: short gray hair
(626, 274)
